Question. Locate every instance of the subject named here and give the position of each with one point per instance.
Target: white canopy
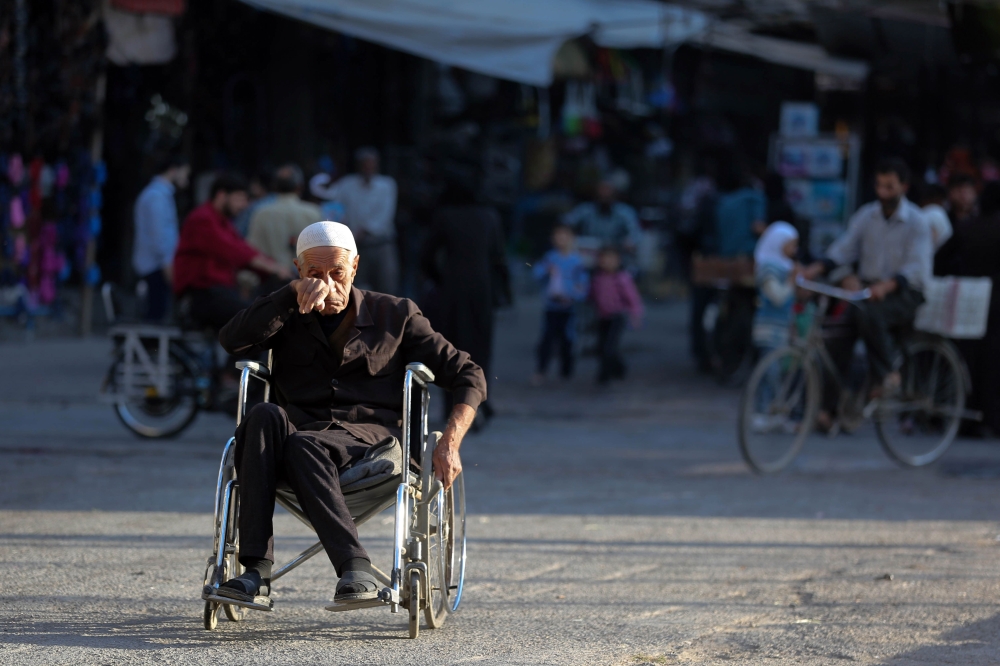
(508, 39)
(736, 39)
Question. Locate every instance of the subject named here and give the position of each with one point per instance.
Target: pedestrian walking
(369, 200)
(463, 256)
(156, 233)
(976, 245)
(606, 220)
(276, 225)
(617, 303)
(566, 282)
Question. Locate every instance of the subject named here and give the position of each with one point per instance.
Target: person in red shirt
(211, 251)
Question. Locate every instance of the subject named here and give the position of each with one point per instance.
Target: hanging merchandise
(49, 189)
(572, 121)
(591, 118)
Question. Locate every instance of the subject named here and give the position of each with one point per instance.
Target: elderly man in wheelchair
(340, 357)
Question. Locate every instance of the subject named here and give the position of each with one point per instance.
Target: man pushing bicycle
(889, 249)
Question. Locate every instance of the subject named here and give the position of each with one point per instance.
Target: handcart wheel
(211, 615)
(414, 604)
(439, 530)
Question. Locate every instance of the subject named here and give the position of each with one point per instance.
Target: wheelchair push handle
(833, 292)
(421, 372)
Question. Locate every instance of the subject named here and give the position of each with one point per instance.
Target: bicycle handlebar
(834, 292)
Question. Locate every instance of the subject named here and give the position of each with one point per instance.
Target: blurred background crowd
(645, 136)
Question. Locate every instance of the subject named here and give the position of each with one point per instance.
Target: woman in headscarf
(774, 271)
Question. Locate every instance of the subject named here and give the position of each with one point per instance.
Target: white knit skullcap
(326, 234)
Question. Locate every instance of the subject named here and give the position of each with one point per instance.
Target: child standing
(615, 297)
(566, 281)
(774, 274)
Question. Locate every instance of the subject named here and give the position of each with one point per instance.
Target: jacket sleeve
(453, 369)
(258, 324)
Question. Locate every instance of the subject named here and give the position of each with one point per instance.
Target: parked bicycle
(915, 425)
(161, 376)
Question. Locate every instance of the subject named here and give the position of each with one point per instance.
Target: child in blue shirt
(566, 283)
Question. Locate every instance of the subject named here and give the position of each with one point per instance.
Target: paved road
(607, 527)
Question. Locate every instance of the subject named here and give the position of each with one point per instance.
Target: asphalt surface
(606, 527)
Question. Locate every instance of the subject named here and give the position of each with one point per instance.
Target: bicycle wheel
(917, 426)
(147, 412)
(778, 409)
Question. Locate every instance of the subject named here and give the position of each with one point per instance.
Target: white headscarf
(769, 247)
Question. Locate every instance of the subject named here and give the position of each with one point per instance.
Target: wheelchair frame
(425, 515)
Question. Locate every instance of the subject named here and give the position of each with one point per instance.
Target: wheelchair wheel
(454, 542)
(917, 426)
(154, 415)
(437, 586)
(414, 604)
(211, 615)
(778, 409)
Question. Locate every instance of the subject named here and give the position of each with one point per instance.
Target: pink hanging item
(17, 217)
(15, 170)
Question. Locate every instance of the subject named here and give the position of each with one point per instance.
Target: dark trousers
(609, 341)
(215, 306)
(557, 332)
(877, 323)
(701, 298)
(157, 296)
(269, 450)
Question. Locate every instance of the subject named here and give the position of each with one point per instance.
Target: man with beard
(211, 251)
(887, 247)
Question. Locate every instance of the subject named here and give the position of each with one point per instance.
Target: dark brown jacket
(364, 393)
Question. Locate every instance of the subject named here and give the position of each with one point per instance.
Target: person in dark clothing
(463, 256)
(977, 254)
(340, 355)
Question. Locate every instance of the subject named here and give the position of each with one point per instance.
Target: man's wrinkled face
(889, 188)
(336, 267)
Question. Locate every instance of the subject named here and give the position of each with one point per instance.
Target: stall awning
(508, 39)
(729, 37)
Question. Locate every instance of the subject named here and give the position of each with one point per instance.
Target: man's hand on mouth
(312, 294)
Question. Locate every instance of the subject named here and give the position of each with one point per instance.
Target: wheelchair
(429, 549)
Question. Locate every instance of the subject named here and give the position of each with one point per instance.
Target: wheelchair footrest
(384, 599)
(259, 603)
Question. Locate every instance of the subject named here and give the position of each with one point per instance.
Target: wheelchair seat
(368, 482)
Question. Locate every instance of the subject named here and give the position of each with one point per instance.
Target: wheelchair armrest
(422, 372)
(256, 368)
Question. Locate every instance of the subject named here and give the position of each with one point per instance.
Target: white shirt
(368, 207)
(887, 248)
(155, 227)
